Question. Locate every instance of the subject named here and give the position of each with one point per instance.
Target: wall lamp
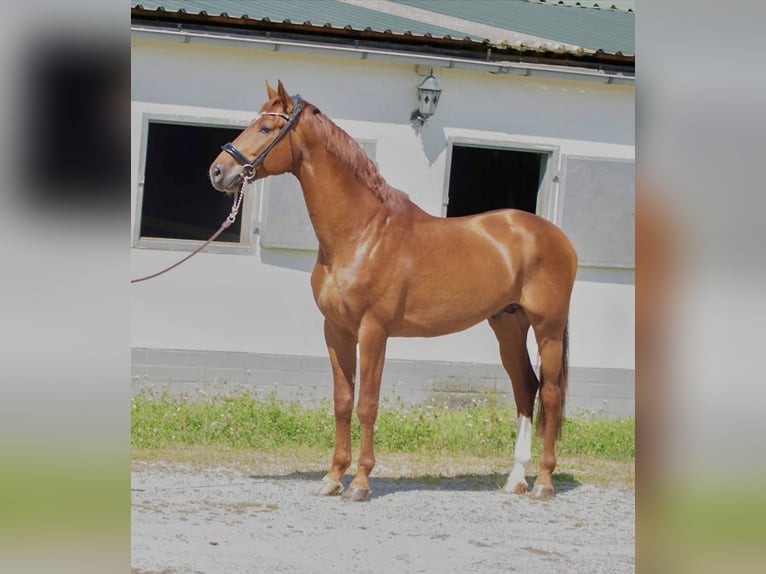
(429, 92)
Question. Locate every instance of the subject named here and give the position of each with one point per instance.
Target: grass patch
(162, 422)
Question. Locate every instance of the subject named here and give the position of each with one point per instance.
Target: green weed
(485, 428)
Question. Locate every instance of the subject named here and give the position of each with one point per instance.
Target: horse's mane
(350, 153)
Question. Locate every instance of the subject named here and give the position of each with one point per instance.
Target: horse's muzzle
(223, 179)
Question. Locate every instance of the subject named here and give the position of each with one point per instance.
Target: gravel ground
(225, 520)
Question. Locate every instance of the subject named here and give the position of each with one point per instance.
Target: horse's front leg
(342, 350)
(372, 350)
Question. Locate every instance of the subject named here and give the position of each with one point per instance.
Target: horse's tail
(562, 384)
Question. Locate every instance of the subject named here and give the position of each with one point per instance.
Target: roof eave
(429, 45)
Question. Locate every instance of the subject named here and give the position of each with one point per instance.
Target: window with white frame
(177, 201)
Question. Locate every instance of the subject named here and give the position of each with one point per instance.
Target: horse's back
(525, 237)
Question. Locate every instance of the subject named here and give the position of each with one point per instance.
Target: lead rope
(231, 218)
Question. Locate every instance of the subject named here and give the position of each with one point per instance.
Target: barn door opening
(483, 179)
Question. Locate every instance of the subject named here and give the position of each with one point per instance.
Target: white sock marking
(522, 452)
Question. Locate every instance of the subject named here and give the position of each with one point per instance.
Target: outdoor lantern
(429, 91)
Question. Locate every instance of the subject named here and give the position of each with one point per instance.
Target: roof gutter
(367, 53)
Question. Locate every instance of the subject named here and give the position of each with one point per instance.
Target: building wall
(259, 302)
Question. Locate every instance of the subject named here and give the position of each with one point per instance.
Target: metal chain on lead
(237, 202)
(231, 218)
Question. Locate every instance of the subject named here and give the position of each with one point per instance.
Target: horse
(386, 268)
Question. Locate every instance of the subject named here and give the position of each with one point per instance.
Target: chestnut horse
(385, 268)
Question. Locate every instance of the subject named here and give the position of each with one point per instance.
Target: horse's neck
(340, 207)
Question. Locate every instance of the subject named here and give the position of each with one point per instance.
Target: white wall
(261, 302)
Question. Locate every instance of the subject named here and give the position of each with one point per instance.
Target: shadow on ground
(383, 486)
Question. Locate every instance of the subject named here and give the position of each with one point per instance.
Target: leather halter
(250, 166)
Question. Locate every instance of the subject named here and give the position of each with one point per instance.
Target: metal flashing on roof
(494, 35)
(608, 31)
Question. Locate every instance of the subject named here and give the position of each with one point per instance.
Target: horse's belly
(434, 327)
(454, 297)
(436, 318)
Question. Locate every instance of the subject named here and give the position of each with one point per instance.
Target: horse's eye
(265, 129)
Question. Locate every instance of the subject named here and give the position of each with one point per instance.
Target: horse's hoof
(356, 494)
(542, 492)
(516, 487)
(328, 487)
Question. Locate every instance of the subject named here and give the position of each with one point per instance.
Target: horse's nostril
(217, 173)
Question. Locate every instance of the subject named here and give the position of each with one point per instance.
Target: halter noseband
(249, 166)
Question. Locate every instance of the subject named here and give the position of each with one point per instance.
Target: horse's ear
(272, 93)
(287, 101)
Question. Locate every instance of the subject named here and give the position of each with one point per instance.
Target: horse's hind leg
(511, 332)
(552, 344)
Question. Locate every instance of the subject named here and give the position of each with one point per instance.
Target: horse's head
(263, 148)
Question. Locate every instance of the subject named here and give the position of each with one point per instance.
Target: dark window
(178, 200)
(483, 179)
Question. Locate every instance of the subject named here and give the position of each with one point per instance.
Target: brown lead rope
(227, 222)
